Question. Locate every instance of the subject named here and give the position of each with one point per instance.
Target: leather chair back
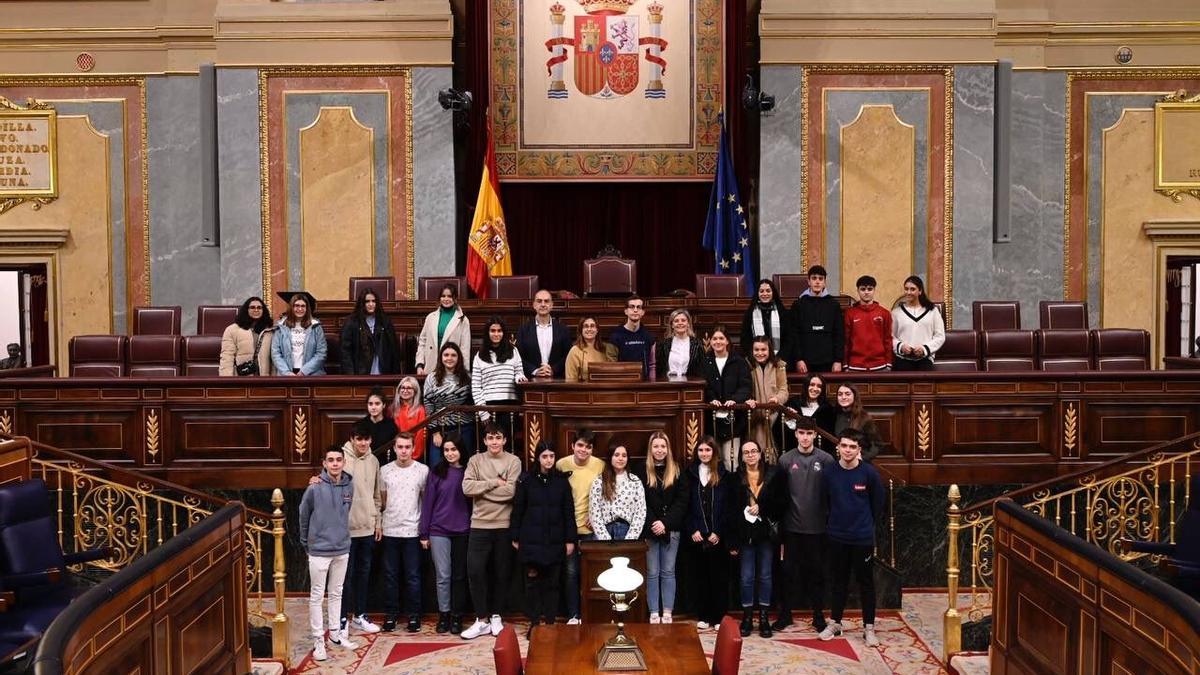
(720, 286)
(28, 543)
(98, 355)
(1061, 315)
(609, 276)
(158, 320)
(507, 653)
(516, 287)
(790, 286)
(996, 315)
(1121, 349)
(214, 319)
(1065, 350)
(1009, 350)
(155, 355)
(202, 355)
(727, 655)
(430, 288)
(960, 352)
(385, 287)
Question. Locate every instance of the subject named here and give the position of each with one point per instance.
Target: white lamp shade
(619, 578)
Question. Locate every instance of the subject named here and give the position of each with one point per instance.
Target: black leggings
(542, 584)
(712, 569)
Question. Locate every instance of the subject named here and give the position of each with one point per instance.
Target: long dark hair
(714, 464)
(460, 371)
(858, 414)
(808, 381)
(443, 467)
(922, 298)
(543, 446)
(495, 353)
(775, 300)
(360, 307)
(608, 477)
(243, 319)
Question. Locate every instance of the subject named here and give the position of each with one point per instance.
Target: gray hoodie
(808, 509)
(325, 516)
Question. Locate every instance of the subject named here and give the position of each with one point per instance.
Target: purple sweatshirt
(445, 511)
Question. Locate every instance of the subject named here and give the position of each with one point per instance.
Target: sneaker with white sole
(654, 618)
(869, 636)
(497, 625)
(666, 617)
(573, 621)
(702, 625)
(832, 629)
(342, 639)
(478, 628)
(364, 624)
(319, 650)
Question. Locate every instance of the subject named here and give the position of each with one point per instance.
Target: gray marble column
(779, 174)
(433, 176)
(974, 96)
(239, 184)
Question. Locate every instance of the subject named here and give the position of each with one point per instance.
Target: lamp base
(620, 652)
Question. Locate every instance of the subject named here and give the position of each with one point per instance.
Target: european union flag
(726, 231)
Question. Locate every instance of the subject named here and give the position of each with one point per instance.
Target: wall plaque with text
(28, 154)
(1176, 140)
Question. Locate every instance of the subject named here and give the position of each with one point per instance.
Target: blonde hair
(670, 470)
(691, 324)
(397, 403)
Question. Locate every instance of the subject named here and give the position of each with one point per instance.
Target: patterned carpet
(910, 643)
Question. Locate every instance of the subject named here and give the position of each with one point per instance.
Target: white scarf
(756, 323)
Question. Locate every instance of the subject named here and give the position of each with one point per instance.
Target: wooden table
(668, 648)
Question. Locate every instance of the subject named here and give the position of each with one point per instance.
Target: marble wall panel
(240, 185)
(435, 242)
(974, 158)
(183, 271)
(1029, 268)
(779, 226)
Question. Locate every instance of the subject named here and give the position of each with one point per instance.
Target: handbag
(251, 367)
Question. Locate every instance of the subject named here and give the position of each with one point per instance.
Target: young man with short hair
(633, 341)
(819, 341)
(325, 534)
(855, 503)
(366, 525)
(402, 483)
(868, 331)
(581, 469)
(491, 481)
(800, 472)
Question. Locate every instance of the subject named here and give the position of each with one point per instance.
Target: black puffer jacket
(668, 504)
(543, 517)
(359, 346)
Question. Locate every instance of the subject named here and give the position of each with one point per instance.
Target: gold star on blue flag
(725, 231)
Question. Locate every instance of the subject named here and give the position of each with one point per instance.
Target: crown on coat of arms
(557, 9)
(606, 6)
(655, 9)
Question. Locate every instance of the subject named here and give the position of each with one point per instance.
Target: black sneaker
(443, 623)
(782, 622)
(389, 624)
(414, 623)
(456, 623)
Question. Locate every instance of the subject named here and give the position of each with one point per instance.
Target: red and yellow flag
(488, 254)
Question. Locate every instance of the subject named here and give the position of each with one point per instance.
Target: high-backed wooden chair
(1009, 350)
(959, 353)
(790, 286)
(609, 276)
(384, 286)
(166, 320)
(1067, 350)
(1062, 315)
(720, 285)
(430, 288)
(155, 355)
(996, 315)
(98, 355)
(214, 319)
(515, 287)
(1121, 349)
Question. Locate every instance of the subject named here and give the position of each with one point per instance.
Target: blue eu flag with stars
(727, 230)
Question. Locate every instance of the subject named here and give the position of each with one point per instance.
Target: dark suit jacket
(531, 354)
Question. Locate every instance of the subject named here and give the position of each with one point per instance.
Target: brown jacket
(237, 346)
(770, 386)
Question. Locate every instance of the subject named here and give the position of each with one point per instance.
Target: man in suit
(545, 341)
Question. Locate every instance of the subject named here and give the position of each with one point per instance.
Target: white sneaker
(478, 628)
(364, 624)
(573, 621)
(654, 618)
(832, 630)
(341, 638)
(702, 625)
(666, 617)
(497, 625)
(869, 636)
(319, 650)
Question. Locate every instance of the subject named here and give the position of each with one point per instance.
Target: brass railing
(100, 505)
(1137, 497)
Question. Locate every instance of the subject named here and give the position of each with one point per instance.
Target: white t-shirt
(299, 335)
(404, 487)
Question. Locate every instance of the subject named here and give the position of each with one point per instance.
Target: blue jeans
(660, 568)
(401, 554)
(358, 575)
(757, 557)
(450, 568)
(617, 529)
(572, 578)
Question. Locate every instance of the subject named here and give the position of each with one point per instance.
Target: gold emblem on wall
(693, 434)
(1176, 137)
(924, 431)
(534, 437)
(6, 422)
(1070, 429)
(28, 154)
(300, 431)
(153, 440)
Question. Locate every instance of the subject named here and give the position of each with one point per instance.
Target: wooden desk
(668, 648)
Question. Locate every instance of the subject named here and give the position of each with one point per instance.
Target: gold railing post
(279, 627)
(952, 621)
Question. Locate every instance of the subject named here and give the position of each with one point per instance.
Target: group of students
(480, 516)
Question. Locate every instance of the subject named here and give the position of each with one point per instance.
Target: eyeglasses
(407, 388)
(255, 307)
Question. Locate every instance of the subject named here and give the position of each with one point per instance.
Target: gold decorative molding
(1070, 428)
(1176, 104)
(153, 440)
(533, 437)
(948, 197)
(924, 431)
(300, 431)
(44, 113)
(803, 192)
(693, 433)
(6, 421)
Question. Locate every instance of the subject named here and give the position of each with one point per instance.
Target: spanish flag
(488, 254)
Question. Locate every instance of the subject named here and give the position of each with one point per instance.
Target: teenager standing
(868, 331)
(445, 523)
(617, 503)
(402, 484)
(666, 507)
(544, 534)
(917, 327)
(325, 535)
(581, 469)
(366, 525)
(818, 344)
(755, 512)
(707, 520)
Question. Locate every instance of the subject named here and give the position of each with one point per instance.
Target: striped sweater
(449, 392)
(496, 381)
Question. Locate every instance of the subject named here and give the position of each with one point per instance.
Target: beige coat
(237, 346)
(579, 358)
(458, 331)
(770, 386)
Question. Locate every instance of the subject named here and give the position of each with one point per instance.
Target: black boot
(764, 623)
(782, 621)
(443, 623)
(456, 623)
(747, 621)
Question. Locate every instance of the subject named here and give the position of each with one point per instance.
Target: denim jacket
(314, 350)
